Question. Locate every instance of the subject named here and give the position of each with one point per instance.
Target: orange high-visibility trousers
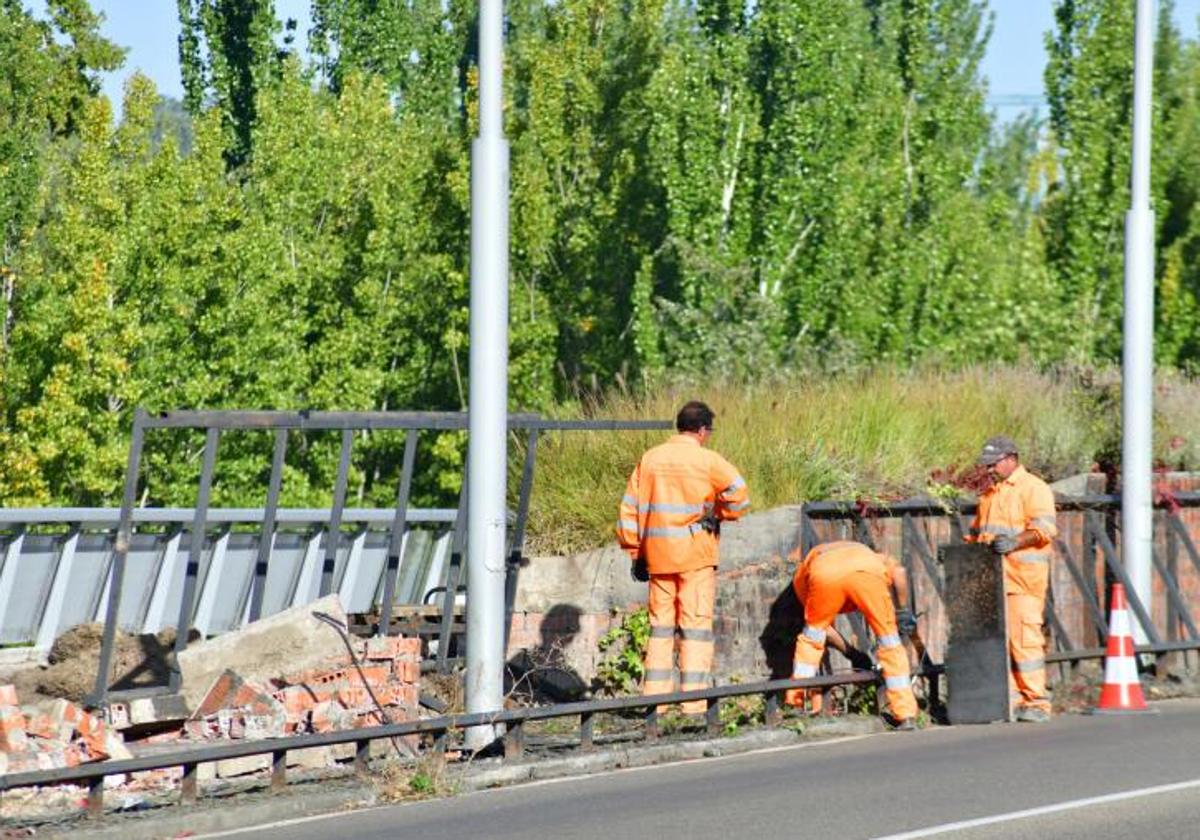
(682, 601)
(1026, 650)
(830, 590)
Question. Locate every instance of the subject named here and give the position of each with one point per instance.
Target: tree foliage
(708, 189)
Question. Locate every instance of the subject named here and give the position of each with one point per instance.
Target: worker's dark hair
(694, 416)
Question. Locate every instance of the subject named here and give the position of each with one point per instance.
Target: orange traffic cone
(1122, 693)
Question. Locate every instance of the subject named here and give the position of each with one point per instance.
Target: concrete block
(230, 767)
(158, 709)
(312, 758)
(269, 648)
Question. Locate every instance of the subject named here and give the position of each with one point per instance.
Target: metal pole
(1137, 523)
(487, 422)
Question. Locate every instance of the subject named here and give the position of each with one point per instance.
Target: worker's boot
(899, 724)
(1031, 714)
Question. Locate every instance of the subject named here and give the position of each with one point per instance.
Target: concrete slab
(283, 643)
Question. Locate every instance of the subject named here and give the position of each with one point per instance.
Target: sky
(1013, 65)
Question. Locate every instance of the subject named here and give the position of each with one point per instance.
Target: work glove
(1003, 545)
(639, 571)
(906, 622)
(859, 660)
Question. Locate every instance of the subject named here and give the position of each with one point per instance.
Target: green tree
(227, 54)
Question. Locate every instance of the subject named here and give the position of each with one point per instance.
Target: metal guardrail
(1096, 539)
(284, 424)
(439, 729)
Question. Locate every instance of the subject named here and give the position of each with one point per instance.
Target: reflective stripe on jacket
(673, 487)
(1019, 503)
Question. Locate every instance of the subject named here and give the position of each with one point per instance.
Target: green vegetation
(875, 435)
(806, 200)
(624, 648)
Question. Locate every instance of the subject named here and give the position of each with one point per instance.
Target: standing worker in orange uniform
(669, 524)
(1016, 518)
(841, 577)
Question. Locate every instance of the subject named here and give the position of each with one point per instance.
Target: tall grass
(876, 435)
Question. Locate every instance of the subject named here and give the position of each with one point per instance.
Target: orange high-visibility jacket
(849, 557)
(1021, 502)
(673, 487)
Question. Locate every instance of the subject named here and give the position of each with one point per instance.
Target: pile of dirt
(137, 660)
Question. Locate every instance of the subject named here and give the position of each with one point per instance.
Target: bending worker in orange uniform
(669, 525)
(841, 577)
(1016, 517)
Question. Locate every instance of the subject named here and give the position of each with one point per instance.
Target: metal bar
(452, 575)
(362, 756)
(266, 540)
(808, 537)
(917, 542)
(1081, 583)
(335, 516)
(1173, 569)
(95, 798)
(863, 531)
(195, 555)
(378, 420)
(1135, 603)
(650, 730)
(278, 771)
(587, 731)
(1186, 539)
(1174, 600)
(773, 709)
(120, 551)
(516, 553)
(111, 516)
(1050, 617)
(399, 528)
(189, 785)
(712, 716)
(514, 741)
(439, 745)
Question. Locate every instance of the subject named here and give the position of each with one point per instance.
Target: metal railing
(285, 423)
(1097, 548)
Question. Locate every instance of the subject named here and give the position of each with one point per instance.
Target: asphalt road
(961, 782)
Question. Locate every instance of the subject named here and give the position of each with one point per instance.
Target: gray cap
(995, 449)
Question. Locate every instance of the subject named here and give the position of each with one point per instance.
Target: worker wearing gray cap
(1016, 519)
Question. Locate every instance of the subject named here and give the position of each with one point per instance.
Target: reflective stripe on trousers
(684, 601)
(871, 596)
(1027, 650)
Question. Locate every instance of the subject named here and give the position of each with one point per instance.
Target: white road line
(1071, 805)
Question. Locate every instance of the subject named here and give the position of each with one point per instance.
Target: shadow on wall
(785, 620)
(542, 673)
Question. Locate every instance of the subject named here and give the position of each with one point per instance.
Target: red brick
(230, 691)
(12, 730)
(42, 725)
(409, 672)
(409, 647)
